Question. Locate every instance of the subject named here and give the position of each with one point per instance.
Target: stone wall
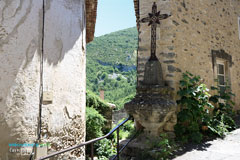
(64, 60)
(119, 115)
(186, 41)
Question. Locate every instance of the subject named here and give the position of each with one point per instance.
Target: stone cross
(153, 19)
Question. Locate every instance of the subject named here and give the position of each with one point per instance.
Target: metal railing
(95, 140)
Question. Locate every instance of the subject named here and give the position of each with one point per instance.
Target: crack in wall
(67, 113)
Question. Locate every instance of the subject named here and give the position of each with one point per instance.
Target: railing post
(92, 150)
(118, 144)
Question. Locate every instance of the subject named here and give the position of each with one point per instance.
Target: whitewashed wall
(63, 73)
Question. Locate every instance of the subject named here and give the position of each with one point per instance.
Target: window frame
(225, 73)
(221, 57)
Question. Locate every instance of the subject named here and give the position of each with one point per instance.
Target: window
(221, 76)
(222, 63)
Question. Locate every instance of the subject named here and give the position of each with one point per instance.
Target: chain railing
(91, 142)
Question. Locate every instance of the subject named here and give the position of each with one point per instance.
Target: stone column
(64, 60)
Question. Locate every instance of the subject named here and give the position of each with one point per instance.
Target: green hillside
(111, 65)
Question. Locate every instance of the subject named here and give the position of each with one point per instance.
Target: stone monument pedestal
(154, 109)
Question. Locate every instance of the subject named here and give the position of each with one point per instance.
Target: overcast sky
(114, 15)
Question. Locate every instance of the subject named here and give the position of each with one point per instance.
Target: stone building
(201, 37)
(43, 52)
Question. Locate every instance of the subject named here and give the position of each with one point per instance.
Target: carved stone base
(154, 109)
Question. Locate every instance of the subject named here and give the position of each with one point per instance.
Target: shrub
(105, 149)
(94, 123)
(222, 121)
(95, 102)
(94, 126)
(128, 126)
(194, 114)
(160, 148)
(125, 131)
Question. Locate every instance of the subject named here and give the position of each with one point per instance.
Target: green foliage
(105, 149)
(94, 126)
(94, 123)
(115, 48)
(128, 126)
(160, 148)
(194, 115)
(193, 100)
(124, 100)
(126, 131)
(222, 121)
(166, 146)
(219, 126)
(111, 65)
(94, 101)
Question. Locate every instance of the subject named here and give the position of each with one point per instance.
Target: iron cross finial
(153, 19)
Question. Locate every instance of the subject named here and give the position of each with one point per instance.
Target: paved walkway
(219, 149)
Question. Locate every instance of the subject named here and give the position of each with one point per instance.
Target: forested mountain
(111, 65)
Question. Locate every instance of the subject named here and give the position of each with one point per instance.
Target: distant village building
(43, 52)
(201, 36)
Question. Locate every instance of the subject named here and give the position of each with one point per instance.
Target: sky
(114, 15)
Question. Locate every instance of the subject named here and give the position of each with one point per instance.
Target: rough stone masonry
(197, 35)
